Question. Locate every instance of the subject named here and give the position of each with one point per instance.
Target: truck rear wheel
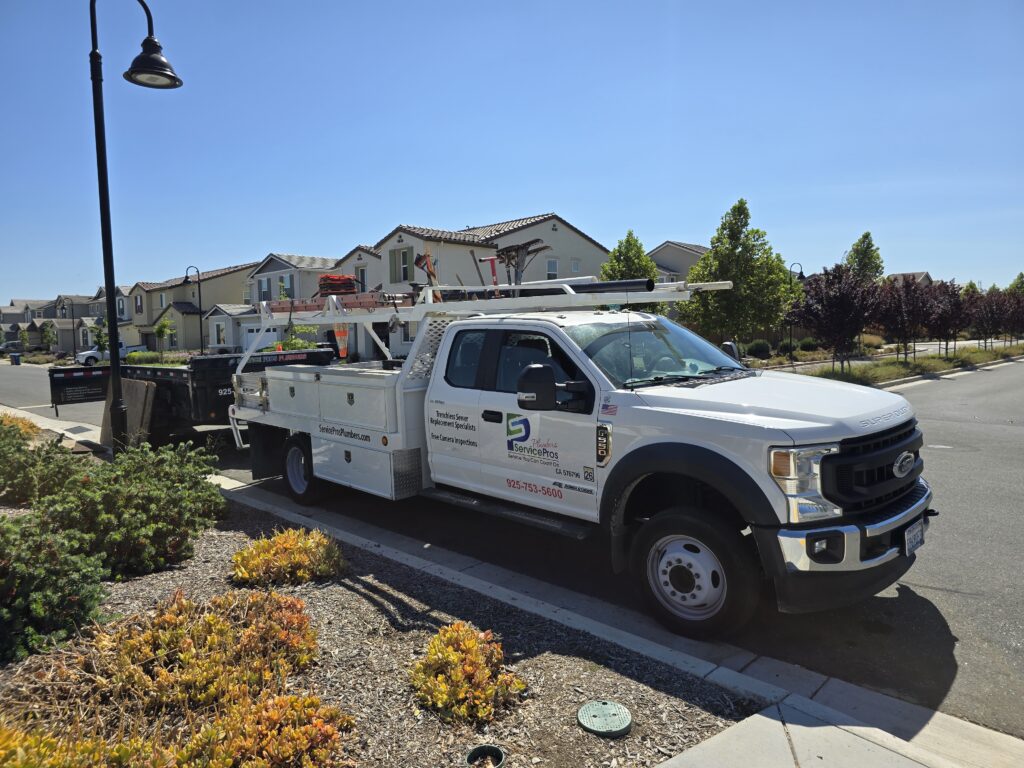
(699, 575)
(303, 485)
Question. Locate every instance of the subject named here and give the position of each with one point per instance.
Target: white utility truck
(556, 405)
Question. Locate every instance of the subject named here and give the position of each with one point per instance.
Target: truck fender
(691, 461)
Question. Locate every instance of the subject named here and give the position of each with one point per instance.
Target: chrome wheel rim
(686, 577)
(295, 466)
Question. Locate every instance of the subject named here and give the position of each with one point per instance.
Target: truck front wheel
(303, 485)
(699, 574)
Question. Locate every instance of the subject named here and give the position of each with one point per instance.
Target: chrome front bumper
(794, 542)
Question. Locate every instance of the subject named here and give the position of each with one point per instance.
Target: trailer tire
(303, 486)
(698, 574)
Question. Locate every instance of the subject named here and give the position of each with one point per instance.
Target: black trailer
(186, 396)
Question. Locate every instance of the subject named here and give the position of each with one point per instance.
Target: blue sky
(310, 126)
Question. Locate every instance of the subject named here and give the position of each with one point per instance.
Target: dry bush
(462, 677)
(292, 556)
(27, 428)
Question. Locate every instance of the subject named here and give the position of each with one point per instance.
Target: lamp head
(150, 69)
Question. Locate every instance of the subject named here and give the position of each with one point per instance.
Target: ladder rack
(488, 299)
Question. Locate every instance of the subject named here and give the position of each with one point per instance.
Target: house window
(218, 333)
(409, 332)
(163, 300)
(85, 337)
(552, 269)
(286, 287)
(138, 304)
(401, 265)
(263, 289)
(575, 265)
(120, 307)
(247, 294)
(361, 278)
(172, 340)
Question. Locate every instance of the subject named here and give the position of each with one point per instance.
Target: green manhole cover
(605, 718)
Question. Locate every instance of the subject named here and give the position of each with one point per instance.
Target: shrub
(273, 731)
(42, 359)
(785, 347)
(872, 341)
(47, 587)
(193, 654)
(462, 677)
(29, 473)
(142, 510)
(293, 556)
(38, 749)
(759, 348)
(808, 344)
(27, 428)
(142, 358)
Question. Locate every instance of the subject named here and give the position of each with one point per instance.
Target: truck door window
(464, 359)
(520, 349)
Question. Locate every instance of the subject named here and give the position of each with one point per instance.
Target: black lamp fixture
(151, 70)
(199, 285)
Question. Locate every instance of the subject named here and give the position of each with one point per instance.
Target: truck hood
(808, 408)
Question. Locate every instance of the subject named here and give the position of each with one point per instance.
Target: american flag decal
(609, 410)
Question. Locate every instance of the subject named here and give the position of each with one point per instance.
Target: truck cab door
(543, 459)
(452, 413)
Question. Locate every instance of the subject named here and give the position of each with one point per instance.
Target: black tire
(708, 577)
(90, 361)
(297, 470)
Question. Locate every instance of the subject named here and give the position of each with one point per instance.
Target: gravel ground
(378, 617)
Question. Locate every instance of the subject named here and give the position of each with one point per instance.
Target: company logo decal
(904, 463)
(517, 429)
(604, 444)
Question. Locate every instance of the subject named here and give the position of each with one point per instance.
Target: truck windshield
(647, 352)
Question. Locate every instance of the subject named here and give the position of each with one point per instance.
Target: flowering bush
(292, 556)
(462, 677)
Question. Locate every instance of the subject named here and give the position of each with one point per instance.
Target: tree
(988, 314)
(99, 336)
(1017, 285)
(47, 336)
(946, 314)
(902, 311)
(1014, 313)
(629, 261)
(762, 291)
(865, 259)
(161, 330)
(836, 306)
(23, 338)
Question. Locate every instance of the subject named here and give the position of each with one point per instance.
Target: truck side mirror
(535, 389)
(730, 348)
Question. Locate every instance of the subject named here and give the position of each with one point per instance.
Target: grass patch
(39, 359)
(27, 428)
(870, 374)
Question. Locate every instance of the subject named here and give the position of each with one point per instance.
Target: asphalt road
(949, 636)
(28, 386)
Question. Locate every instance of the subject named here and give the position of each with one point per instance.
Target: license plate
(913, 537)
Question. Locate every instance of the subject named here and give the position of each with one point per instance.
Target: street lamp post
(152, 70)
(199, 285)
(801, 278)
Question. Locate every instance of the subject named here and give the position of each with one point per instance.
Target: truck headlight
(797, 472)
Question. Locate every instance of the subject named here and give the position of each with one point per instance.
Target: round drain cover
(605, 718)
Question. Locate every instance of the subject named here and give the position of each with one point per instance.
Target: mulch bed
(377, 618)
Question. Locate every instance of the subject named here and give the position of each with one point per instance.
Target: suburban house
(922, 278)
(456, 256)
(178, 300)
(232, 325)
(674, 259)
(20, 313)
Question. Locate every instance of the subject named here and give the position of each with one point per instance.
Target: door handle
(493, 416)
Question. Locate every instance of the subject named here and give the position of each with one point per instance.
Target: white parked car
(93, 356)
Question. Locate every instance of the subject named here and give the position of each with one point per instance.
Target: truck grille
(860, 478)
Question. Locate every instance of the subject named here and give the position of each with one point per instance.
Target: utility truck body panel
(704, 477)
